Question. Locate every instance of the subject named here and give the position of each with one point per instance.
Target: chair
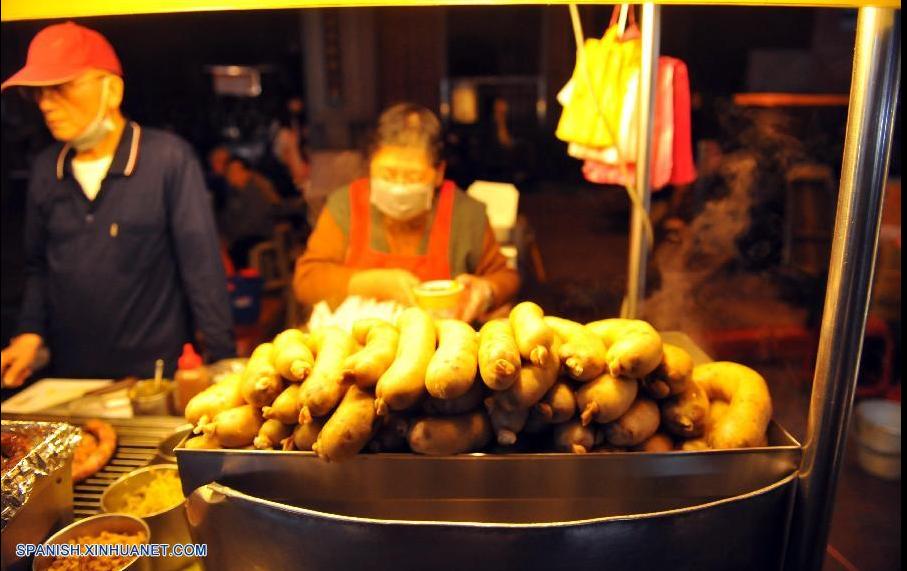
(512, 231)
(274, 261)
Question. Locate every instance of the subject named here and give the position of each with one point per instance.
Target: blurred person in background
(122, 260)
(250, 210)
(287, 165)
(288, 147)
(383, 235)
(216, 176)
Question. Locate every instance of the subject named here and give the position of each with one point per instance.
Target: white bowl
(878, 424)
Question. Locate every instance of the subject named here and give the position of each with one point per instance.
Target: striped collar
(125, 157)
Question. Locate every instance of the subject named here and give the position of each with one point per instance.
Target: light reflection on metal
(30, 10)
(867, 149)
(650, 34)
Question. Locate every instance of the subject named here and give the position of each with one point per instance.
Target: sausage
(285, 407)
(634, 347)
(325, 386)
(672, 375)
(391, 434)
(686, 415)
(217, 398)
(658, 442)
(304, 435)
(94, 451)
(379, 339)
(467, 403)
(499, 358)
(574, 437)
(531, 384)
(582, 353)
(605, 399)
(452, 369)
(271, 433)
(403, 384)
(260, 382)
(636, 425)
(750, 405)
(348, 430)
(506, 423)
(202, 442)
(236, 427)
(450, 435)
(533, 336)
(292, 357)
(558, 405)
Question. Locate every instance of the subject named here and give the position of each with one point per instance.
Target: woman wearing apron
(404, 224)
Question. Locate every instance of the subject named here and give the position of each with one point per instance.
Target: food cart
(766, 508)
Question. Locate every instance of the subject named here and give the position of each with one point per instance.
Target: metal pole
(650, 34)
(867, 149)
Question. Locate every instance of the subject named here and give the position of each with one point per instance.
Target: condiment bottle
(191, 377)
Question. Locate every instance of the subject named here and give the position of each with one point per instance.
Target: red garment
(61, 52)
(672, 146)
(433, 265)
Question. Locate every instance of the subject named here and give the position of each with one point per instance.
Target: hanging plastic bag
(594, 97)
(672, 154)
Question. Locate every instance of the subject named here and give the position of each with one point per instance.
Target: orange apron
(433, 265)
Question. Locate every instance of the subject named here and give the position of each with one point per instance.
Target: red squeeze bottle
(191, 377)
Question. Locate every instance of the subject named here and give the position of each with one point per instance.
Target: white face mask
(401, 201)
(100, 126)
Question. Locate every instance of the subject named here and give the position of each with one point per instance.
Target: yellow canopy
(45, 9)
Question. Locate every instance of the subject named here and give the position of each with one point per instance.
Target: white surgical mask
(100, 126)
(401, 201)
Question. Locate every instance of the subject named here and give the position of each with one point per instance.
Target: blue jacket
(115, 283)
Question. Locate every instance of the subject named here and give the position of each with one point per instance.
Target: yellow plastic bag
(594, 97)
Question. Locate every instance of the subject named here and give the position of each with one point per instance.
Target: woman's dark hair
(411, 126)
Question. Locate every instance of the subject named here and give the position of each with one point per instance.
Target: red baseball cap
(62, 52)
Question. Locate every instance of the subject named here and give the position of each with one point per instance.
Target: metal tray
(506, 488)
(503, 488)
(714, 509)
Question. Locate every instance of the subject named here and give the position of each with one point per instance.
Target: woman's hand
(16, 361)
(478, 297)
(384, 284)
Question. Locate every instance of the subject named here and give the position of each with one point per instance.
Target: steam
(701, 285)
(705, 246)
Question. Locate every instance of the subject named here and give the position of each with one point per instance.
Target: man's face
(69, 108)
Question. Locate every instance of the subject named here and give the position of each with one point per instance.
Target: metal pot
(93, 526)
(168, 526)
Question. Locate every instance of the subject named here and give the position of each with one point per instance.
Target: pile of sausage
(439, 387)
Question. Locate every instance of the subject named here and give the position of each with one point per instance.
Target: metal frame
(650, 40)
(867, 150)
(873, 100)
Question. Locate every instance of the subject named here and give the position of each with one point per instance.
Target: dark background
(164, 57)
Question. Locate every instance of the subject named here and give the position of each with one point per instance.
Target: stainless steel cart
(678, 535)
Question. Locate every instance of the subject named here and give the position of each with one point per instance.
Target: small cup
(440, 298)
(150, 400)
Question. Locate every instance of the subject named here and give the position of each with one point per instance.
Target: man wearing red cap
(122, 258)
